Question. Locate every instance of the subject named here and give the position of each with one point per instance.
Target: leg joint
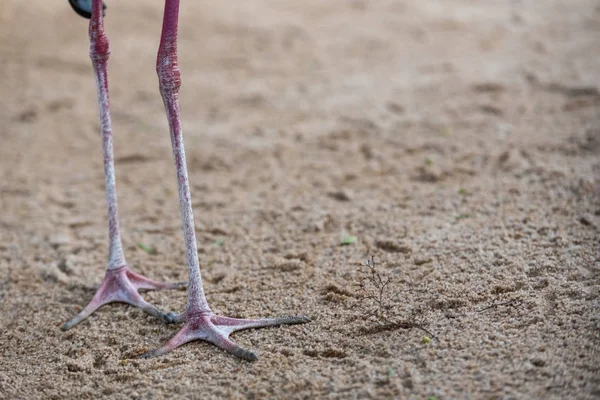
(169, 76)
(99, 45)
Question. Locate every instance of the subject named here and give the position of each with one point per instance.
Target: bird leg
(200, 323)
(120, 284)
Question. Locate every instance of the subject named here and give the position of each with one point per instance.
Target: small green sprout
(425, 340)
(348, 240)
(148, 249)
(462, 216)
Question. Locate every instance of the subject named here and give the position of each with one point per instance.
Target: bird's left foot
(121, 285)
(216, 330)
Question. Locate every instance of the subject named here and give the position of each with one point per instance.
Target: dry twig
(373, 296)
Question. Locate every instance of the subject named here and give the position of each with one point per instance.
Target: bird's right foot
(216, 329)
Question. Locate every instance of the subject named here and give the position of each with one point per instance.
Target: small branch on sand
(373, 297)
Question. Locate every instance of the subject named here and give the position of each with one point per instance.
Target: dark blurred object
(84, 7)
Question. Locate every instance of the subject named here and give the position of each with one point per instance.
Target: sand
(456, 142)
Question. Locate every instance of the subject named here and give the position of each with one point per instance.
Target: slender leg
(120, 284)
(200, 322)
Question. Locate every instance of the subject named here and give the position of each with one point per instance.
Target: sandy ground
(458, 141)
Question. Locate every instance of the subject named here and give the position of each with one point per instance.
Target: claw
(176, 318)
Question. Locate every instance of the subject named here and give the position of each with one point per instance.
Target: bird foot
(121, 285)
(216, 330)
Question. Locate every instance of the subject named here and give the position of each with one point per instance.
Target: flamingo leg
(199, 321)
(120, 284)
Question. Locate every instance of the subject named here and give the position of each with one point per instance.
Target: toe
(245, 354)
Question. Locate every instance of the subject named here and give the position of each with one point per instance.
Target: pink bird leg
(200, 323)
(120, 284)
